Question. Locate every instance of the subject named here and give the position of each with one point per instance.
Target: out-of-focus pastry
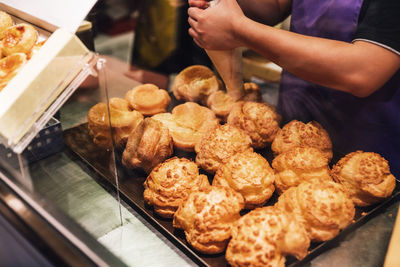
(195, 84)
(9, 67)
(207, 218)
(219, 144)
(148, 145)
(170, 183)
(249, 174)
(35, 49)
(297, 133)
(299, 164)
(258, 120)
(324, 208)
(222, 103)
(365, 176)
(148, 99)
(252, 92)
(19, 38)
(5, 22)
(123, 122)
(264, 236)
(187, 123)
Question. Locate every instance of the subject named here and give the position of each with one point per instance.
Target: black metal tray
(131, 191)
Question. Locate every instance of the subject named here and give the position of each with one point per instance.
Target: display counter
(85, 211)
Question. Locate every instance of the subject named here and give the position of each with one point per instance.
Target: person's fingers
(194, 12)
(192, 23)
(193, 33)
(199, 4)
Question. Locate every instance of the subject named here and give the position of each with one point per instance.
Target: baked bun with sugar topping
(148, 145)
(170, 183)
(258, 120)
(207, 218)
(187, 123)
(195, 84)
(299, 164)
(123, 122)
(297, 133)
(19, 38)
(219, 144)
(148, 99)
(5, 22)
(264, 236)
(324, 208)
(249, 174)
(365, 176)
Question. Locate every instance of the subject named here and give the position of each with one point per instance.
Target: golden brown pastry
(219, 144)
(365, 176)
(195, 84)
(9, 67)
(258, 120)
(19, 38)
(123, 122)
(148, 145)
(170, 183)
(221, 103)
(297, 133)
(207, 218)
(324, 208)
(249, 174)
(264, 236)
(148, 99)
(5, 22)
(252, 92)
(35, 49)
(187, 123)
(299, 164)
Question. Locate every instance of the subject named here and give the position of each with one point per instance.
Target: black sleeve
(379, 22)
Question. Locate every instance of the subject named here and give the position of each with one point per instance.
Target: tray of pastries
(224, 179)
(39, 69)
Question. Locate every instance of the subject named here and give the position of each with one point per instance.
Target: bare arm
(360, 68)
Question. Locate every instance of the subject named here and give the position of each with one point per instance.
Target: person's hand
(216, 27)
(203, 4)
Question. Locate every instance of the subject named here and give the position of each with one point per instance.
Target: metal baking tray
(131, 191)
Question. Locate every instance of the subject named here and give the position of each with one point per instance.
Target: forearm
(343, 66)
(269, 12)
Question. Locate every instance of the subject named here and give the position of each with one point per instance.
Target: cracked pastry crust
(148, 99)
(264, 236)
(123, 122)
(195, 84)
(148, 145)
(187, 123)
(170, 183)
(297, 133)
(222, 103)
(5, 22)
(19, 38)
(365, 176)
(219, 144)
(324, 208)
(258, 120)
(299, 164)
(207, 218)
(249, 174)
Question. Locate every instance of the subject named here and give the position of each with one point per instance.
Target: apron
(371, 124)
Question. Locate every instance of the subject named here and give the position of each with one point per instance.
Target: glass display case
(77, 204)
